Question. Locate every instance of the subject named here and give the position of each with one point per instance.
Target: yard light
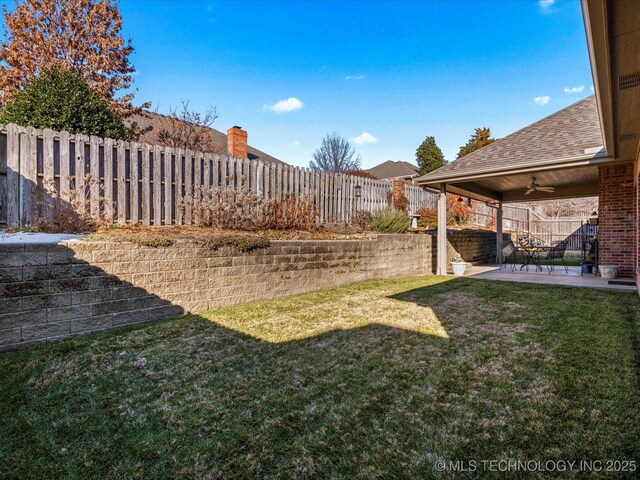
(358, 190)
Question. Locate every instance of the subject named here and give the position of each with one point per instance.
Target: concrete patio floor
(558, 277)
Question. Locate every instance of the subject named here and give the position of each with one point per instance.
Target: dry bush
(400, 203)
(70, 213)
(289, 213)
(243, 210)
(428, 218)
(222, 208)
(361, 218)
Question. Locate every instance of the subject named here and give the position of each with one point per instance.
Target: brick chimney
(237, 142)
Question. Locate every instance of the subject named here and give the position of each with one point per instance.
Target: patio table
(531, 251)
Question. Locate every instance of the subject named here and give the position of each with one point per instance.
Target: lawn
(378, 379)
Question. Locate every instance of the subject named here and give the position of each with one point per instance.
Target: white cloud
(546, 6)
(288, 105)
(364, 139)
(592, 88)
(578, 89)
(543, 100)
(354, 77)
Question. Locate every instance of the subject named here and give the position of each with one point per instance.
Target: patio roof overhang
(562, 151)
(613, 35)
(570, 177)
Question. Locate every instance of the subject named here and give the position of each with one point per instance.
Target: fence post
(13, 177)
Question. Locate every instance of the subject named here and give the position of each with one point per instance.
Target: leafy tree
(429, 156)
(62, 100)
(188, 129)
(83, 36)
(335, 155)
(480, 138)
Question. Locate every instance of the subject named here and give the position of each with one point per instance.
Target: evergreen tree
(429, 156)
(62, 100)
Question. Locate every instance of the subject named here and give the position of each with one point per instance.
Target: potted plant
(608, 271)
(458, 265)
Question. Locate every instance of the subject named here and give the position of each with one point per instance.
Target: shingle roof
(154, 120)
(391, 169)
(560, 136)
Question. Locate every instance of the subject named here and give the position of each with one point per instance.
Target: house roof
(570, 134)
(391, 169)
(154, 120)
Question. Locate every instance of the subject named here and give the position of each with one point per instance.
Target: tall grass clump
(389, 220)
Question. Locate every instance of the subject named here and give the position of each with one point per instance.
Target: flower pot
(458, 268)
(587, 268)
(608, 271)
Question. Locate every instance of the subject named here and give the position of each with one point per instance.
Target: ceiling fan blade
(547, 189)
(530, 190)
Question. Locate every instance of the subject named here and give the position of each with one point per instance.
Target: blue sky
(398, 71)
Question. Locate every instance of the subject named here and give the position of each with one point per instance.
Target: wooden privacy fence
(129, 182)
(515, 219)
(551, 231)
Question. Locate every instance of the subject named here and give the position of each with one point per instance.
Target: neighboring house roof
(391, 169)
(155, 120)
(570, 134)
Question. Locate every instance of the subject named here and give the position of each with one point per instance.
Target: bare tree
(335, 155)
(188, 129)
(568, 207)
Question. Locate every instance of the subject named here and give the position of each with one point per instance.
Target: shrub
(62, 100)
(361, 218)
(242, 243)
(222, 208)
(69, 214)
(428, 218)
(458, 212)
(242, 210)
(389, 220)
(289, 213)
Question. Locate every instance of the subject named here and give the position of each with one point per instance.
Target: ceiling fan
(534, 187)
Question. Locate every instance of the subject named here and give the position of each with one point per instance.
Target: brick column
(397, 192)
(617, 217)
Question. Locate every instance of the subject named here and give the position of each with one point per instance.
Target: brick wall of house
(617, 217)
(637, 244)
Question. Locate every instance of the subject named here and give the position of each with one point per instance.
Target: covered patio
(572, 279)
(560, 156)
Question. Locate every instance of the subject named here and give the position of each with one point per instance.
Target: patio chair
(512, 256)
(555, 256)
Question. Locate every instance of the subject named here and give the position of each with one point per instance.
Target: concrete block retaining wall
(54, 291)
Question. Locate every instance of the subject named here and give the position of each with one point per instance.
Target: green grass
(374, 380)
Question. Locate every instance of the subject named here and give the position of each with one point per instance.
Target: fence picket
(94, 171)
(134, 182)
(121, 184)
(157, 185)
(145, 179)
(178, 187)
(13, 176)
(65, 172)
(168, 186)
(108, 179)
(188, 186)
(31, 194)
(215, 167)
